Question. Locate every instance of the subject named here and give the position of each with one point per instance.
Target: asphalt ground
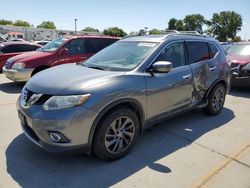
(191, 150)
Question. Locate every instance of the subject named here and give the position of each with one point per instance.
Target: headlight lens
(61, 102)
(18, 65)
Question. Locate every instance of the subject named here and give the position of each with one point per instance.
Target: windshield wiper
(93, 67)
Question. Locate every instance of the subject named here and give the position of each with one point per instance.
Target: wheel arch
(130, 103)
(39, 68)
(223, 82)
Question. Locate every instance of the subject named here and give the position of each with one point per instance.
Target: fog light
(58, 137)
(55, 137)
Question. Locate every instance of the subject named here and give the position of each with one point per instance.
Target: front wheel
(116, 134)
(216, 100)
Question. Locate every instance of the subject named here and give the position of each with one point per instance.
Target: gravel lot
(192, 150)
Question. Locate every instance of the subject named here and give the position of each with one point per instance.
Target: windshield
(121, 56)
(239, 49)
(53, 45)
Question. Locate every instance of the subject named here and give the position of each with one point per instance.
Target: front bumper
(74, 123)
(20, 75)
(240, 81)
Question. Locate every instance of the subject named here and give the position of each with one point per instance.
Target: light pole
(75, 25)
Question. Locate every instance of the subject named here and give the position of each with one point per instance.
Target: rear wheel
(216, 100)
(116, 134)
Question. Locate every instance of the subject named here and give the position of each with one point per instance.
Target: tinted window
(11, 49)
(174, 54)
(198, 51)
(94, 45)
(213, 50)
(76, 46)
(27, 47)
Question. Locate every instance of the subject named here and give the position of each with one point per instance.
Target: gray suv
(102, 105)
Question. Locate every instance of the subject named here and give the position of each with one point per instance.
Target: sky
(130, 15)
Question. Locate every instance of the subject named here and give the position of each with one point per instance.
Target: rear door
(172, 91)
(203, 67)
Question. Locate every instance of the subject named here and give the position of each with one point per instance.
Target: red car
(240, 64)
(10, 49)
(69, 49)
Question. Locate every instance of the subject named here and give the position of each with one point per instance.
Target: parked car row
(239, 55)
(103, 103)
(70, 49)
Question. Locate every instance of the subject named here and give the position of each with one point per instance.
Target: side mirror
(63, 51)
(162, 67)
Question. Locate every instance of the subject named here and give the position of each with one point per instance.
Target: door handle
(186, 76)
(212, 68)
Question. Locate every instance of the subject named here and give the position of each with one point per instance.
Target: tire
(116, 134)
(216, 99)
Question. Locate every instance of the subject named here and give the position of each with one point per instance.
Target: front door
(168, 92)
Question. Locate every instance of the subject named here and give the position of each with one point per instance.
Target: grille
(40, 101)
(8, 64)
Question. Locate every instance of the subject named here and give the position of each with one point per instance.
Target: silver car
(103, 104)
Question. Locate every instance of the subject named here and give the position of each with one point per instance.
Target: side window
(212, 50)
(174, 54)
(26, 48)
(197, 51)
(75, 46)
(11, 49)
(92, 45)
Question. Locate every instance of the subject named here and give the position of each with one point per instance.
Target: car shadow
(30, 166)
(12, 87)
(240, 92)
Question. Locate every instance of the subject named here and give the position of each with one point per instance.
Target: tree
(5, 22)
(47, 25)
(179, 25)
(225, 25)
(237, 39)
(156, 32)
(21, 23)
(172, 24)
(114, 31)
(90, 29)
(194, 22)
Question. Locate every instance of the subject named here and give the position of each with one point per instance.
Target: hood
(29, 56)
(68, 79)
(242, 59)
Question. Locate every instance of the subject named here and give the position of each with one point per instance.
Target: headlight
(60, 102)
(18, 65)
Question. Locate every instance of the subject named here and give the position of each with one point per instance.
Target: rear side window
(11, 49)
(94, 45)
(197, 51)
(26, 48)
(213, 50)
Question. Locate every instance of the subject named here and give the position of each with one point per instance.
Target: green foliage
(156, 32)
(114, 31)
(5, 22)
(90, 29)
(194, 22)
(237, 39)
(225, 25)
(179, 25)
(47, 25)
(21, 23)
(172, 24)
